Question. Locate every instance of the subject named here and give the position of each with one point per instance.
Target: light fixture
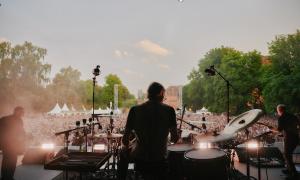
(204, 145)
(99, 147)
(47, 146)
(252, 145)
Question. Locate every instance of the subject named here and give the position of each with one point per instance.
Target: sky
(143, 40)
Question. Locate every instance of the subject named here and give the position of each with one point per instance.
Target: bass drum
(175, 160)
(206, 164)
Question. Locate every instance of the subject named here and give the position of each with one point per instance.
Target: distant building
(142, 97)
(173, 96)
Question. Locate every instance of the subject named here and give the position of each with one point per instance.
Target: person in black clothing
(151, 123)
(11, 142)
(288, 124)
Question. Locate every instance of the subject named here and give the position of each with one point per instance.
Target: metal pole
(227, 84)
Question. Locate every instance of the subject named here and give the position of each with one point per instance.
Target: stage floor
(37, 172)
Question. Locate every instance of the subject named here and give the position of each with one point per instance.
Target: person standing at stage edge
(288, 124)
(151, 122)
(12, 137)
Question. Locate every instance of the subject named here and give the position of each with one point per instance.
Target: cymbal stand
(247, 154)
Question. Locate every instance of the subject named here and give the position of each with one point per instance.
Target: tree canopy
(24, 78)
(258, 81)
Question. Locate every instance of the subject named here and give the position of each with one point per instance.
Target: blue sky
(143, 40)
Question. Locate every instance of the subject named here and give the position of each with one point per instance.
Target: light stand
(211, 71)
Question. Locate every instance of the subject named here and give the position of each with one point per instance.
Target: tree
(66, 87)
(241, 69)
(23, 75)
(282, 77)
(107, 94)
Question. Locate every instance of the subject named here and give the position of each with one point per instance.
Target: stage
(37, 171)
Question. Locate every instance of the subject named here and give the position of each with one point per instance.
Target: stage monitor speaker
(35, 156)
(271, 154)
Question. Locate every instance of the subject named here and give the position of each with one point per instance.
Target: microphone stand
(211, 72)
(228, 84)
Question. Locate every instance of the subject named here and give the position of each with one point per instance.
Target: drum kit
(209, 156)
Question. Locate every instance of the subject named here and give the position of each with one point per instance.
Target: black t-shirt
(288, 123)
(12, 133)
(151, 122)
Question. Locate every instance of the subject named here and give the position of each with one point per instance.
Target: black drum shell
(175, 160)
(215, 168)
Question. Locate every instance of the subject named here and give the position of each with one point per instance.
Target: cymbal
(201, 122)
(187, 132)
(109, 136)
(216, 139)
(243, 121)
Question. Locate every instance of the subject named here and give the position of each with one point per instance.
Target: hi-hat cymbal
(201, 122)
(222, 137)
(187, 132)
(109, 136)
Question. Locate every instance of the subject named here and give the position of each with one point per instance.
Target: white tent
(83, 108)
(55, 110)
(65, 108)
(203, 110)
(72, 108)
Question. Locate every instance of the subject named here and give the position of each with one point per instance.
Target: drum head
(204, 154)
(180, 147)
(243, 121)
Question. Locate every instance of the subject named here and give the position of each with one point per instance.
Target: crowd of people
(42, 128)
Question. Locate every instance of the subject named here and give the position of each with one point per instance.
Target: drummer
(151, 121)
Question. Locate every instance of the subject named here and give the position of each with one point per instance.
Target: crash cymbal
(243, 121)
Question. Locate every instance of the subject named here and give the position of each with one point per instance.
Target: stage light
(99, 147)
(47, 146)
(204, 145)
(252, 145)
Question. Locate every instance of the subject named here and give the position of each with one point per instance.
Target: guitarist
(12, 144)
(288, 124)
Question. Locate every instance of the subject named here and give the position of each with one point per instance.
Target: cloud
(164, 66)
(120, 53)
(153, 48)
(133, 73)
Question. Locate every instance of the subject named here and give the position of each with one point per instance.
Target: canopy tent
(55, 110)
(65, 108)
(203, 110)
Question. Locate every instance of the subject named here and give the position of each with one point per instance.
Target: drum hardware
(190, 124)
(182, 115)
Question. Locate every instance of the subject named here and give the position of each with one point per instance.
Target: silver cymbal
(201, 122)
(243, 121)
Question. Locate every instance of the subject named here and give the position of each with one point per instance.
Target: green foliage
(23, 75)
(66, 87)
(107, 95)
(241, 69)
(282, 78)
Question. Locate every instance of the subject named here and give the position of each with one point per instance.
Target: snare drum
(206, 164)
(175, 160)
